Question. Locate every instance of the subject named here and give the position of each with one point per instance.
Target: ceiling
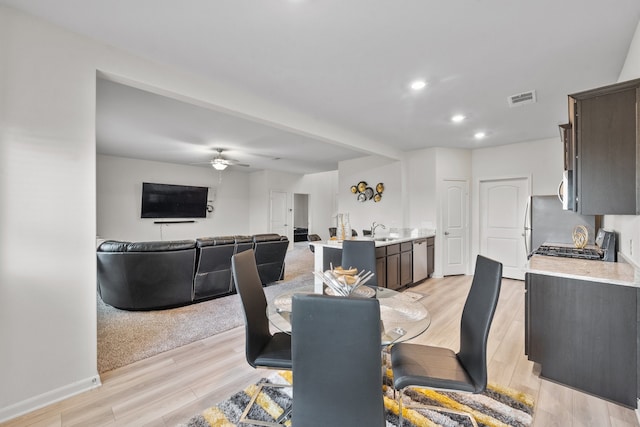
(349, 64)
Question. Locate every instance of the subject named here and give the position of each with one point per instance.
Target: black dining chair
(336, 362)
(263, 350)
(441, 368)
(360, 254)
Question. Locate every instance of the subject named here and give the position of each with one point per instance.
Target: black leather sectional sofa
(158, 275)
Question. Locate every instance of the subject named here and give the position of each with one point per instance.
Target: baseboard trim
(45, 399)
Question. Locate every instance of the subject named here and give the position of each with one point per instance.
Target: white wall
(628, 226)
(372, 170)
(47, 219)
(631, 68)
(48, 196)
(421, 186)
(262, 184)
(322, 188)
(301, 210)
(541, 161)
(119, 186)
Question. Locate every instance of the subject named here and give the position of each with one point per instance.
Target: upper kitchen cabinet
(605, 147)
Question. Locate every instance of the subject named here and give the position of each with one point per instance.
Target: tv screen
(173, 201)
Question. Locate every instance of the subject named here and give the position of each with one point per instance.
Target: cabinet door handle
(446, 233)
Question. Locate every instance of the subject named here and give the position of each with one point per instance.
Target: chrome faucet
(373, 228)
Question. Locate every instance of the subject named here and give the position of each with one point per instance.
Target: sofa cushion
(113, 246)
(214, 241)
(170, 245)
(243, 239)
(268, 237)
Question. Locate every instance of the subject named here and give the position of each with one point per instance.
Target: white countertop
(616, 273)
(378, 241)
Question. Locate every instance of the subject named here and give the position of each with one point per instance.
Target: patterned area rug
(498, 406)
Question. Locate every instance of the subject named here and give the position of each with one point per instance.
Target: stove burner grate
(569, 252)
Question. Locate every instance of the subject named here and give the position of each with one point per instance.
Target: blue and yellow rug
(497, 407)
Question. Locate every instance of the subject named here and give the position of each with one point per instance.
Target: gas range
(569, 252)
(603, 250)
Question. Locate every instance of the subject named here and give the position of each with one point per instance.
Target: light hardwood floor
(169, 388)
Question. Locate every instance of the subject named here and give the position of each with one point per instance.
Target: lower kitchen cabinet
(394, 262)
(584, 334)
(406, 263)
(381, 266)
(393, 266)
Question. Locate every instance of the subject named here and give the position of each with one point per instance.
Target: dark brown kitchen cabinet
(393, 266)
(605, 125)
(406, 263)
(394, 262)
(584, 334)
(381, 266)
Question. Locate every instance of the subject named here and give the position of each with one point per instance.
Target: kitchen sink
(384, 239)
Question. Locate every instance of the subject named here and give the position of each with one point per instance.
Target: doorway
(503, 203)
(278, 217)
(454, 204)
(300, 217)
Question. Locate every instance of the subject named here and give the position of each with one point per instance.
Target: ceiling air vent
(522, 98)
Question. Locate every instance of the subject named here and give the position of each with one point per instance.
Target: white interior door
(502, 209)
(279, 214)
(455, 226)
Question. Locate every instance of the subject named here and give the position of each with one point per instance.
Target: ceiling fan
(220, 163)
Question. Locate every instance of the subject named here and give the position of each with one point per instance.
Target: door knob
(446, 233)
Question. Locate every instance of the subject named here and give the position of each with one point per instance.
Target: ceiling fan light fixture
(418, 84)
(218, 164)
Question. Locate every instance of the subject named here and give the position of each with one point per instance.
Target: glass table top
(403, 317)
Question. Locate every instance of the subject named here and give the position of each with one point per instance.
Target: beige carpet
(125, 337)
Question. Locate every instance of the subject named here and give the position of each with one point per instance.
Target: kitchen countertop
(616, 273)
(381, 241)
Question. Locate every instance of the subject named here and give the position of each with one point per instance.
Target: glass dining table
(403, 317)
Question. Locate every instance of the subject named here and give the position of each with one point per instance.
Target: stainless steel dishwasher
(420, 263)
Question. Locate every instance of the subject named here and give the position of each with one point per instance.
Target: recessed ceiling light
(458, 118)
(418, 85)
(479, 135)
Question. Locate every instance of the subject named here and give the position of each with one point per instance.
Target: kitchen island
(394, 258)
(581, 325)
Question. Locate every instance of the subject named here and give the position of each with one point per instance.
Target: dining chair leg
(281, 419)
(399, 398)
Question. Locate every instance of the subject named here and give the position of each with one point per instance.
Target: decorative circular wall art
(363, 192)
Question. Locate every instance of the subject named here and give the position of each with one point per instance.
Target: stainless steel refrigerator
(546, 222)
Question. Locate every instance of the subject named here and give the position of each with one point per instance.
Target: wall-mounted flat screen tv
(173, 201)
